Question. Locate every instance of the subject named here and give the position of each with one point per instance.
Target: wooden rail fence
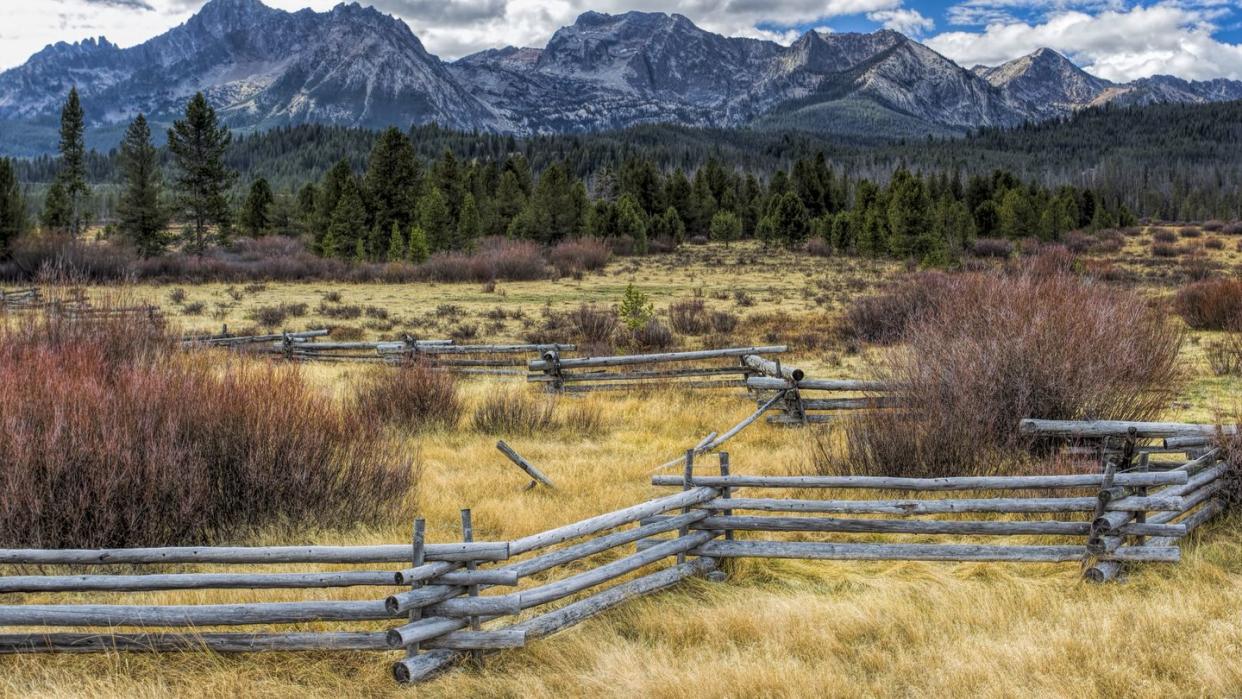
(448, 601)
(711, 368)
(306, 346)
(17, 299)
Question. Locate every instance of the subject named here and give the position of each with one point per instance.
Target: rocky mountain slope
(263, 67)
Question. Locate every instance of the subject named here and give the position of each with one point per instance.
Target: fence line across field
(448, 601)
(691, 369)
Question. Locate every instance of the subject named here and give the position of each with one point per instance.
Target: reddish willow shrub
(110, 438)
(579, 255)
(412, 395)
(1212, 304)
(994, 349)
(883, 317)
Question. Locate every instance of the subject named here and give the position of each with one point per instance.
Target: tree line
(200, 182)
(403, 199)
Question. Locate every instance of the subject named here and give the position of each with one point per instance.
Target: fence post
(1107, 493)
(1141, 491)
(553, 358)
(467, 535)
(411, 346)
(687, 484)
(719, 575)
(417, 558)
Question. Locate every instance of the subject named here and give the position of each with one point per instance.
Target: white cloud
(909, 22)
(532, 22)
(983, 12)
(1121, 45)
(448, 28)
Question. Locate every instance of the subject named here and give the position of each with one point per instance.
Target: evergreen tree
(446, 175)
(668, 226)
(436, 220)
(677, 191)
(702, 206)
(305, 211)
(12, 208)
(140, 217)
(510, 199)
(392, 181)
(843, 234)
(197, 144)
(468, 224)
(256, 211)
(790, 220)
(345, 234)
(909, 216)
(809, 186)
(873, 238)
(952, 223)
(57, 211)
(726, 227)
(1015, 217)
(632, 222)
(556, 210)
(987, 219)
(72, 175)
(329, 195)
(418, 248)
(396, 245)
(640, 179)
(636, 308)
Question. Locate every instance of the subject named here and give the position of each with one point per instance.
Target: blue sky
(1116, 39)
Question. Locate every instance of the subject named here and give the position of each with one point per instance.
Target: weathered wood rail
(21, 299)
(448, 601)
(306, 346)
(224, 339)
(711, 368)
(804, 400)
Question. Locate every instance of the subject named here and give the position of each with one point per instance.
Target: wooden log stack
(711, 368)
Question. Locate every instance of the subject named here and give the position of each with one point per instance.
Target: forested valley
(395, 195)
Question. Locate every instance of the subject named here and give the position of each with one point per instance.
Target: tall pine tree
(256, 216)
(12, 207)
(141, 218)
(197, 144)
(72, 175)
(392, 180)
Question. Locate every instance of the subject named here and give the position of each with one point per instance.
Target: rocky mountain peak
(354, 65)
(1046, 80)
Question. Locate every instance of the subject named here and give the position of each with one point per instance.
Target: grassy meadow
(775, 628)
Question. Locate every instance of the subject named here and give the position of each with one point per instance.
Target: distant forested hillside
(1165, 161)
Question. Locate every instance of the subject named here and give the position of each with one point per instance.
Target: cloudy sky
(1115, 39)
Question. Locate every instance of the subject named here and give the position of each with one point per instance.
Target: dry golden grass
(775, 628)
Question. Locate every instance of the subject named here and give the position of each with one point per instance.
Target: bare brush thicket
(993, 349)
(412, 396)
(113, 438)
(1211, 304)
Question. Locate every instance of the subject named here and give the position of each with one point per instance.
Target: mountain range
(263, 67)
